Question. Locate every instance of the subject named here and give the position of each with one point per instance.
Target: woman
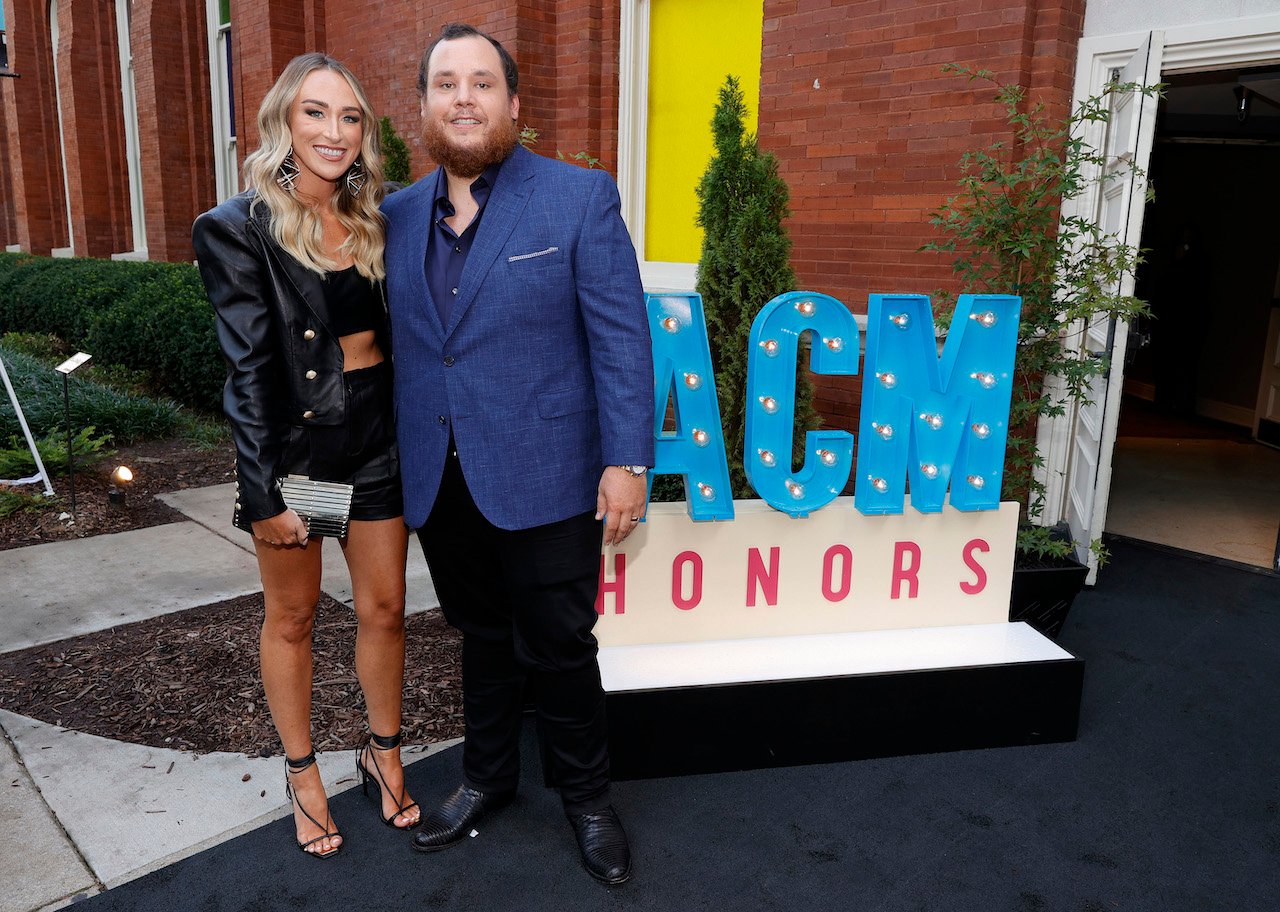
(293, 268)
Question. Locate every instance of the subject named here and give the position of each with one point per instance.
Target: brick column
(175, 122)
(264, 37)
(93, 128)
(34, 153)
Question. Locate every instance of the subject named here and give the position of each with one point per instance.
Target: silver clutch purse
(325, 506)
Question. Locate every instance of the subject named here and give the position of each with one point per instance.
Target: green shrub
(395, 154)
(41, 346)
(167, 328)
(19, 502)
(125, 417)
(151, 318)
(16, 460)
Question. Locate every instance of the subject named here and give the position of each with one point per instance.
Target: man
(524, 399)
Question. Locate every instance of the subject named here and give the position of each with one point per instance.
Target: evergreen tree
(395, 153)
(745, 263)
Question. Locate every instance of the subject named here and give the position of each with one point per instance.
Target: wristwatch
(635, 471)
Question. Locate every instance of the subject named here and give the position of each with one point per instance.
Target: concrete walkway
(85, 813)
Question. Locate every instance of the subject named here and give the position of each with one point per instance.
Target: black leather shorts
(361, 452)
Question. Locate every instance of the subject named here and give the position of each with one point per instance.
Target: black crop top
(354, 303)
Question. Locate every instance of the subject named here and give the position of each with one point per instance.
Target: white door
(1118, 209)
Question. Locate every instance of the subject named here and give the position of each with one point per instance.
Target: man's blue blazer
(545, 371)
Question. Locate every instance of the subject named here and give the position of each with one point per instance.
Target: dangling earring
(356, 177)
(287, 174)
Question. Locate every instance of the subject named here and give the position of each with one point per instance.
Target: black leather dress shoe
(449, 824)
(603, 844)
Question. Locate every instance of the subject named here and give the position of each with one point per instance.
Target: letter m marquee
(942, 422)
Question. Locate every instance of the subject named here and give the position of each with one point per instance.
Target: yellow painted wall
(693, 46)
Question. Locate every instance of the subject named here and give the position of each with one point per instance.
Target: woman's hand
(285, 530)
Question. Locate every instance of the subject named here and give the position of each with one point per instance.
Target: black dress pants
(525, 603)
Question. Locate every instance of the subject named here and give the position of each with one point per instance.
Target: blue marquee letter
(771, 401)
(935, 420)
(682, 374)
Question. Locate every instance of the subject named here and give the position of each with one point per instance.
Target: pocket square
(530, 256)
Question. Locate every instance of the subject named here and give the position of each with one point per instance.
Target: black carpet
(1168, 801)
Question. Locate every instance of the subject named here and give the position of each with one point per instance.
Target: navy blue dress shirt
(446, 250)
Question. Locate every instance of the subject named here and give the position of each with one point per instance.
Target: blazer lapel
(305, 282)
(501, 213)
(407, 258)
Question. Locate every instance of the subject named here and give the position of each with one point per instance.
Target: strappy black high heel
(370, 748)
(297, 766)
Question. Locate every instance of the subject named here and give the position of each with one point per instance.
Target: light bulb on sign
(981, 430)
(933, 419)
(707, 492)
(902, 321)
(977, 481)
(985, 379)
(928, 470)
(701, 437)
(836, 344)
(770, 347)
(767, 458)
(880, 485)
(671, 324)
(884, 430)
(806, 308)
(692, 380)
(887, 379)
(828, 458)
(796, 489)
(986, 318)
(769, 404)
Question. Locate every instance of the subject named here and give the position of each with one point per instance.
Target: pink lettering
(759, 578)
(694, 560)
(618, 587)
(980, 574)
(830, 591)
(906, 568)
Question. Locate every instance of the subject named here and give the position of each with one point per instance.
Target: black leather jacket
(284, 363)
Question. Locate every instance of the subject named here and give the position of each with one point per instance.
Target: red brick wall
(175, 122)
(93, 135)
(869, 130)
(34, 159)
(264, 37)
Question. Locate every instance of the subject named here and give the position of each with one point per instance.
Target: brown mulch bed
(189, 680)
(159, 467)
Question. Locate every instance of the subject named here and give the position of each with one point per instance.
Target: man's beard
(470, 162)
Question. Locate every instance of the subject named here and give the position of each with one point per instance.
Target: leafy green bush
(19, 502)
(16, 460)
(395, 153)
(167, 326)
(152, 318)
(125, 417)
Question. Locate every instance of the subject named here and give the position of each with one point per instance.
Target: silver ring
(635, 519)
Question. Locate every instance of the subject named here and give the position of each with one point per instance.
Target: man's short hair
(452, 32)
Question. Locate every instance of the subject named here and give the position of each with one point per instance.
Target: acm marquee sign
(803, 559)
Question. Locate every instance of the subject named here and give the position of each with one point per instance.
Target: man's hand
(284, 530)
(620, 503)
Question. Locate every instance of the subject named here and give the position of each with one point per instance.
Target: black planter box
(1042, 595)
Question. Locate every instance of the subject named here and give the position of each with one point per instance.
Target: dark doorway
(1188, 471)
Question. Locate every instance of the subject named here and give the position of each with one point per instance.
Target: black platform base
(681, 731)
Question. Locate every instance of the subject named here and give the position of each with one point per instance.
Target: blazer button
(308, 414)
(442, 419)
(309, 334)
(448, 361)
(310, 375)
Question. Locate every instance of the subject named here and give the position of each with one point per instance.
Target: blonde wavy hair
(295, 226)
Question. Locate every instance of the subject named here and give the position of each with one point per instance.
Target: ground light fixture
(121, 478)
(66, 368)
